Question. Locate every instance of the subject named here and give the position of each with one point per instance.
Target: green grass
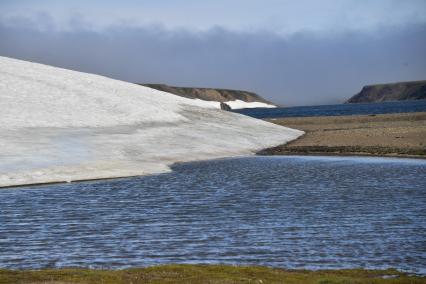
(204, 274)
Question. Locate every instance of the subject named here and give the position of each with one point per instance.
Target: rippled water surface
(293, 212)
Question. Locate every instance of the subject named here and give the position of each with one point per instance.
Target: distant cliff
(209, 94)
(415, 90)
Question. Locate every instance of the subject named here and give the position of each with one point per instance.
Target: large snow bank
(237, 104)
(63, 125)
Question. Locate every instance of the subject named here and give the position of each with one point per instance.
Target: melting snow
(63, 125)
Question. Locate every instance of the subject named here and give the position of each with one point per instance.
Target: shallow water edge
(267, 153)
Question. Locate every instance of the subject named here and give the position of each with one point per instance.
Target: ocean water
(340, 109)
(290, 212)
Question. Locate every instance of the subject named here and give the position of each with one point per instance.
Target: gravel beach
(399, 135)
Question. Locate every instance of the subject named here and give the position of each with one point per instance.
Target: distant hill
(415, 90)
(210, 94)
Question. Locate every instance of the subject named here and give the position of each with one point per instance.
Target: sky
(303, 52)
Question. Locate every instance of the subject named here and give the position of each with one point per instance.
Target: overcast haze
(291, 52)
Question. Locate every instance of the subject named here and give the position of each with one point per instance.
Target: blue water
(334, 110)
(291, 212)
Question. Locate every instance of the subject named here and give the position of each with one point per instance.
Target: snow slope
(63, 125)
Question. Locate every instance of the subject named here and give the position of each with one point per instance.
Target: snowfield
(61, 125)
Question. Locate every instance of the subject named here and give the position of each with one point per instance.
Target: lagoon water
(291, 212)
(336, 110)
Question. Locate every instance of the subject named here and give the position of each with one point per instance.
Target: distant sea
(336, 110)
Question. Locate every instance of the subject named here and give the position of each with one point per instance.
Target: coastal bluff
(233, 98)
(414, 90)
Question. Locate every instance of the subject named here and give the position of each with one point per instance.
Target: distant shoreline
(400, 135)
(307, 151)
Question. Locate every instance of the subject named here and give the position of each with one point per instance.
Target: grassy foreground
(205, 274)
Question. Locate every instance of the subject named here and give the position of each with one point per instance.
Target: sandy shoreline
(387, 135)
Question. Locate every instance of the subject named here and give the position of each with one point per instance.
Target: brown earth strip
(400, 135)
(219, 274)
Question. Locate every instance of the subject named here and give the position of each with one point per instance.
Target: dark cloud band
(296, 70)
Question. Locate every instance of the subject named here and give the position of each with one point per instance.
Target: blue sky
(292, 52)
